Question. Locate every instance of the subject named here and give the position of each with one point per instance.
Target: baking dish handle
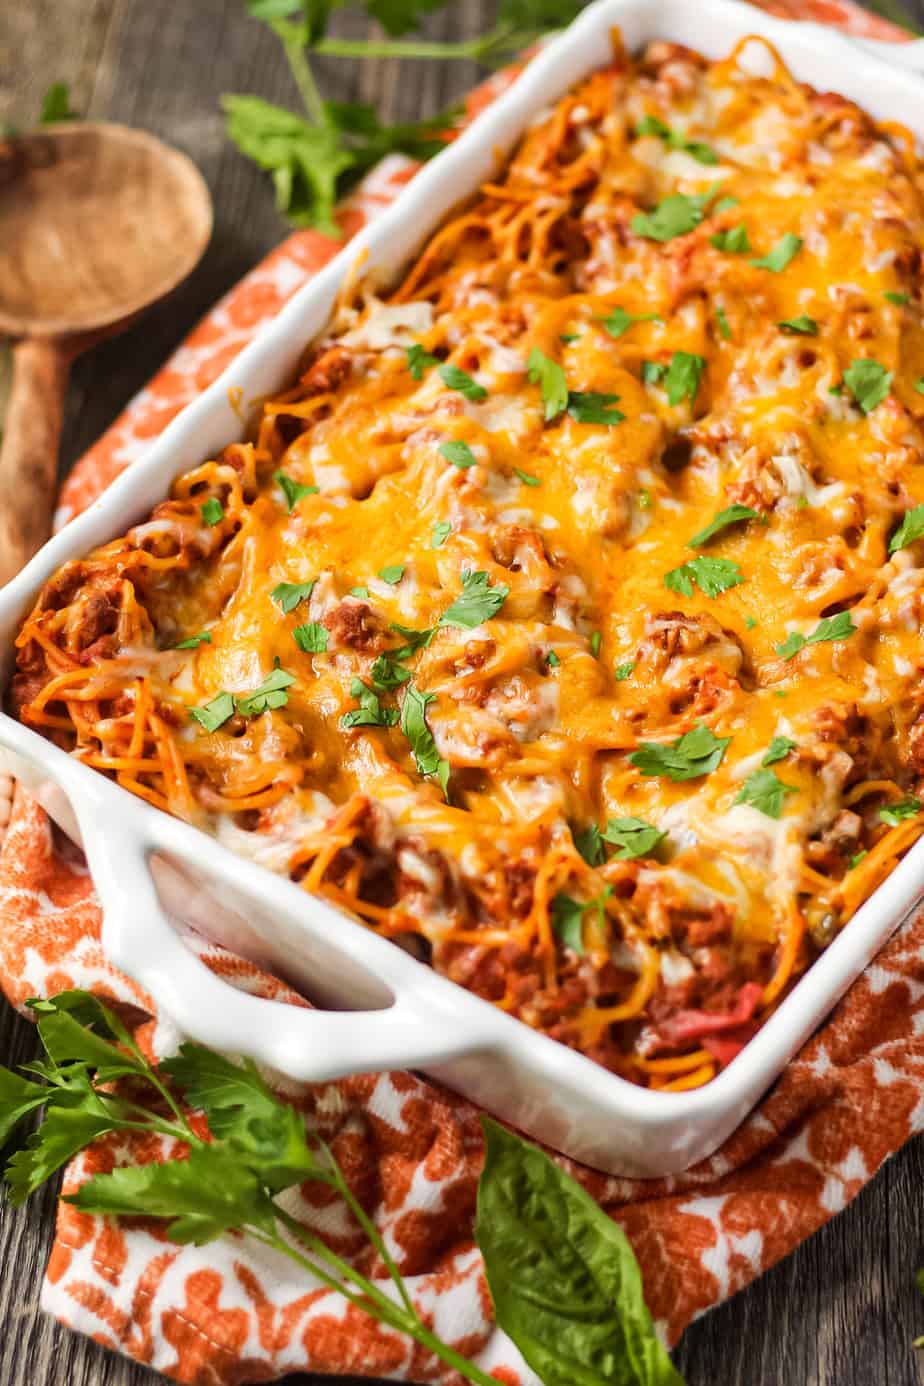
(305, 1044)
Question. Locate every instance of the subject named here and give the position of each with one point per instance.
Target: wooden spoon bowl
(97, 221)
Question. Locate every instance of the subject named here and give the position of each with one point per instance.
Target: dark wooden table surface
(842, 1310)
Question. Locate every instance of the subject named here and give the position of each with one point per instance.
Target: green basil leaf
(565, 1283)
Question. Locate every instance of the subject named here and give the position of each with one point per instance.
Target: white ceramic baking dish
(393, 1012)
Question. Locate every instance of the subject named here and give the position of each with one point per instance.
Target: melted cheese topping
(461, 797)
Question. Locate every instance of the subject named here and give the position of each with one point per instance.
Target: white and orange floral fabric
(231, 1312)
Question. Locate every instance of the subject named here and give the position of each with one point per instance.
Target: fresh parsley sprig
(543, 1239)
(314, 157)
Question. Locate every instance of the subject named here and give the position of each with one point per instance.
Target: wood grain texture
(843, 1309)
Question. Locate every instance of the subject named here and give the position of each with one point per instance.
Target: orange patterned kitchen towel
(231, 1311)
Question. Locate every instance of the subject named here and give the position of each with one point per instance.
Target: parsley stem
(300, 68)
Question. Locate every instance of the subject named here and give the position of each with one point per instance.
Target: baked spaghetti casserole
(561, 621)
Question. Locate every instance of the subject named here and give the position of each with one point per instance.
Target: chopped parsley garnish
(683, 376)
(619, 321)
(676, 139)
(868, 382)
(387, 673)
(289, 594)
(696, 753)
(414, 640)
(569, 337)
(786, 249)
(458, 453)
(910, 529)
(734, 240)
(919, 385)
(778, 749)
(898, 299)
(568, 917)
(370, 712)
(478, 602)
(624, 671)
(414, 725)
(193, 641)
(675, 216)
(552, 659)
(212, 511)
(802, 326)
(419, 360)
(765, 791)
(725, 204)
(440, 533)
(590, 844)
(293, 491)
(856, 859)
(893, 814)
(750, 623)
(312, 637)
(214, 713)
(644, 499)
(550, 377)
(712, 575)
(526, 478)
(590, 407)
(633, 836)
(653, 372)
(392, 574)
(457, 379)
(271, 693)
(595, 641)
(831, 628)
(731, 515)
(361, 591)
(722, 320)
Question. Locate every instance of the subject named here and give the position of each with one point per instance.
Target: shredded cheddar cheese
(562, 620)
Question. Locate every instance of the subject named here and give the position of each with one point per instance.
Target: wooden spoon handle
(29, 452)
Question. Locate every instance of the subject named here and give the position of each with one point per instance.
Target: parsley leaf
(683, 376)
(764, 791)
(734, 240)
(590, 407)
(214, 713)
(194, 641)
(289, 594)
(550, 377)
(695, 753)
(414, 725)
(370, 712)
(898, 299)
(553, 660)
(633, 836)
(595, 642)
(910, 529)
(362, 591)
(212, 511)
(567, 916)
(868, 382)
(526, 478)
(292, 490)
(56, 104)
(392, 574)
(623, 671)
(386, 673)
(590, 844)
(458, 453)
(440, 533)
(457, 379)
(802, 326)
(893, 814)
(831, 628)
(675, 216)
(312, 637)
(653, 372)
(270, 694)
(786, 249)
(731, 515)
(619, 321)
(778, 749)
(414, 640)
(713, 575)
(419, 360)
(722, 320)
(676, 139)
(478, 602)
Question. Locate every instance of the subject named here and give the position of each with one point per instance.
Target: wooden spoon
(97, 221)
